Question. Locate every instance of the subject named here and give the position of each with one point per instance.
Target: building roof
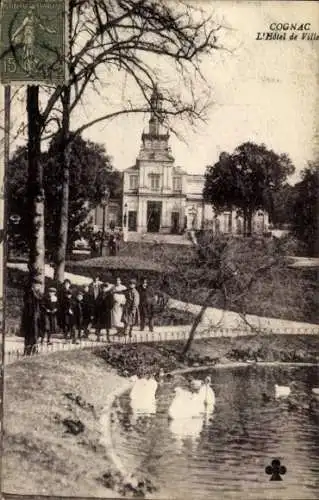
(131, 169)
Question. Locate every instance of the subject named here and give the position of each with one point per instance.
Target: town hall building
(160, 197)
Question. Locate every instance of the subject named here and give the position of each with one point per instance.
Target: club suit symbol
(275, 470)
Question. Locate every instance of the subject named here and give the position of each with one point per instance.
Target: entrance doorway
(175, 222)
(132, 220)
(154, 211)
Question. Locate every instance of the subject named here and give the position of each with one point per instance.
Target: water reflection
(226, 452)
(187, 431)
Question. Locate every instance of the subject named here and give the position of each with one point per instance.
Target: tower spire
(156, 110)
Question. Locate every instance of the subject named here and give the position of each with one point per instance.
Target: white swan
(315, 391)
(143, 387)
(186, 428)
(142, 395)
(182, 404)
(190, 411)
(187, 404)
(282, 391)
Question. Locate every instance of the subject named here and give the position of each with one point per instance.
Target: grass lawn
(149, 253)
(41, 457)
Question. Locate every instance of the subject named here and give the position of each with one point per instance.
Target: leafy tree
(246, 180)
(91, 172)
(305, 209)
(283, 202)
(89, 169)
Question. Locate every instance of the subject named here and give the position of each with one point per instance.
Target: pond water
(224, 454)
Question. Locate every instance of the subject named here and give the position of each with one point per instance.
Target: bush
(290, 245)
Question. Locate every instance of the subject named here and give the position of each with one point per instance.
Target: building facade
(160, 197)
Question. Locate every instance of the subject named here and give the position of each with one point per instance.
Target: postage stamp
(34, 41)
(160, 236)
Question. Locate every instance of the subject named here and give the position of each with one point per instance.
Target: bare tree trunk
(35, 189)
(193, 329)
(65, 157)
(64, 208)
(195, 324)
(36, 278)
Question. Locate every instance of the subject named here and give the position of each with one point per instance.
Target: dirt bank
(43, 454)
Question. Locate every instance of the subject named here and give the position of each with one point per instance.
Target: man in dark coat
(88, 309)
(95, 290)
(104, 310)
(147, 306)
(112, 245)
(31, 324)
(62, 292)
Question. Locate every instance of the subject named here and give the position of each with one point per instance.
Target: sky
(262, 91)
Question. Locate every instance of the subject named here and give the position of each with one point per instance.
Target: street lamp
(104, 203)
(125, 223)
(15, 219)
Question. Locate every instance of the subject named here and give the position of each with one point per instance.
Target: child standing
(131, 308)
(50, 311)
(78, 316)
(67, 314)
(88, 310)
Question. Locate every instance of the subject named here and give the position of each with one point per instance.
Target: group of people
(100, 305)
(110, 241)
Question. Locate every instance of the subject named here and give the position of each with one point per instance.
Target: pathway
(304, 262)
(76, 279)
(160, 239)
(228, 320)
